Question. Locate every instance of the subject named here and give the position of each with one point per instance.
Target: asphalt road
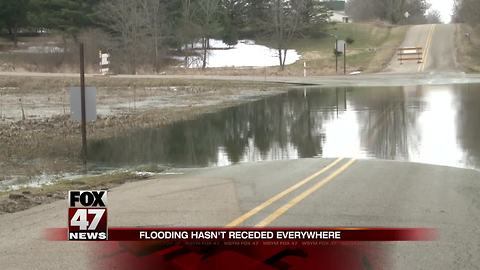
(442, 50)
(438, 44)
(378, 79)
(347, 193)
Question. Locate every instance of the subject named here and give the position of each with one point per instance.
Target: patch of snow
(41, 49)
(338, 16)
(245, 54)
(143, 175)
(214, 43)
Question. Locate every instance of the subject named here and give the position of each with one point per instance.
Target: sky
(445, 7)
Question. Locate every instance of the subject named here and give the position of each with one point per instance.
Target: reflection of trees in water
(390, 123)
(288, 125)
(468, 122)
(386, 122)
(266, 129)
(305, 130)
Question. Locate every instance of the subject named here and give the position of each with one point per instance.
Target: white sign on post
(340, 46)
(76, 104)
(104, 62)
(104, 59)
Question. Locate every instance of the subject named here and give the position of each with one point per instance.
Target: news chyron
(87, 215)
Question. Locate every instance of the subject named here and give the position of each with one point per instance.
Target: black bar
(84, 113)
(411, 58)
(344, 58)
(336, 56)
(336, 96)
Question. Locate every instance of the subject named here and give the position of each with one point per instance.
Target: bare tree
(207, 21)
(286, 17)
(360, 10)
(389, 10)
(188, 30)
(154, 16)
(128, 25)
(434, 17)
(467, 11)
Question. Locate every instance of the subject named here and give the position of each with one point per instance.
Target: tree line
(149, 31)
(466, 11)
(393, 11)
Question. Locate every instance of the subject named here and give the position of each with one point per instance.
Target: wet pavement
(434, 124)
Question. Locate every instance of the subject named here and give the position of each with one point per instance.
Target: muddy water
(428, 124)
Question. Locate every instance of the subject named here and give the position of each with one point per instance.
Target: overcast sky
(445, 7)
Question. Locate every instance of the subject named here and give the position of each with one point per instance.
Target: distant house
(335, 5)
(338, 9)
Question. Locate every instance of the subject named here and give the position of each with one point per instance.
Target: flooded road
(428, 124)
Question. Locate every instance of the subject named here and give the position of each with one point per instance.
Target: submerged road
(297, 193)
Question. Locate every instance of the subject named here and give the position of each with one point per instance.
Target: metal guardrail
(410, 54)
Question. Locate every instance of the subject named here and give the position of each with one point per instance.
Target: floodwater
(427, 124)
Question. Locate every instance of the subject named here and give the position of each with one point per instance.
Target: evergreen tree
(13, 16)
(232, 20)
(66, 16)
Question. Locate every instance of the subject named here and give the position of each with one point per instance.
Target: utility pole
(336, 55)
(344, 58)
(82, 98)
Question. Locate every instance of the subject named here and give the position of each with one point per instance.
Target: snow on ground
(338, 16)
(245, 54)
(40, 49)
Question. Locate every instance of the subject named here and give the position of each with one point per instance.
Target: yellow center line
(280, 211)
(427, 48)
(280, 195)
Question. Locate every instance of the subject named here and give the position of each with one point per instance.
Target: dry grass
(56, 83)
(468, 55)
(50, 144)
(22, 199)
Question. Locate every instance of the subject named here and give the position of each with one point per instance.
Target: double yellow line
(426, 52)
(283, 209)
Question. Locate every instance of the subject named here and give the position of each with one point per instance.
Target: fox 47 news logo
(87, 215)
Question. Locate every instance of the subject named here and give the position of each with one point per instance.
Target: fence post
(82, 98)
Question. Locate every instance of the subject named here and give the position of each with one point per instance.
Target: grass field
(373, 47)
(468, 55)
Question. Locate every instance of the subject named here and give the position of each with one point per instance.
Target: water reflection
(430, 124)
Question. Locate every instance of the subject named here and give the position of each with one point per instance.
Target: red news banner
(246, 248)
(224, 248)
(87, 220)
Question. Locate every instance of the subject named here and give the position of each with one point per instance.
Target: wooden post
(336, 56)
(82, 98)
